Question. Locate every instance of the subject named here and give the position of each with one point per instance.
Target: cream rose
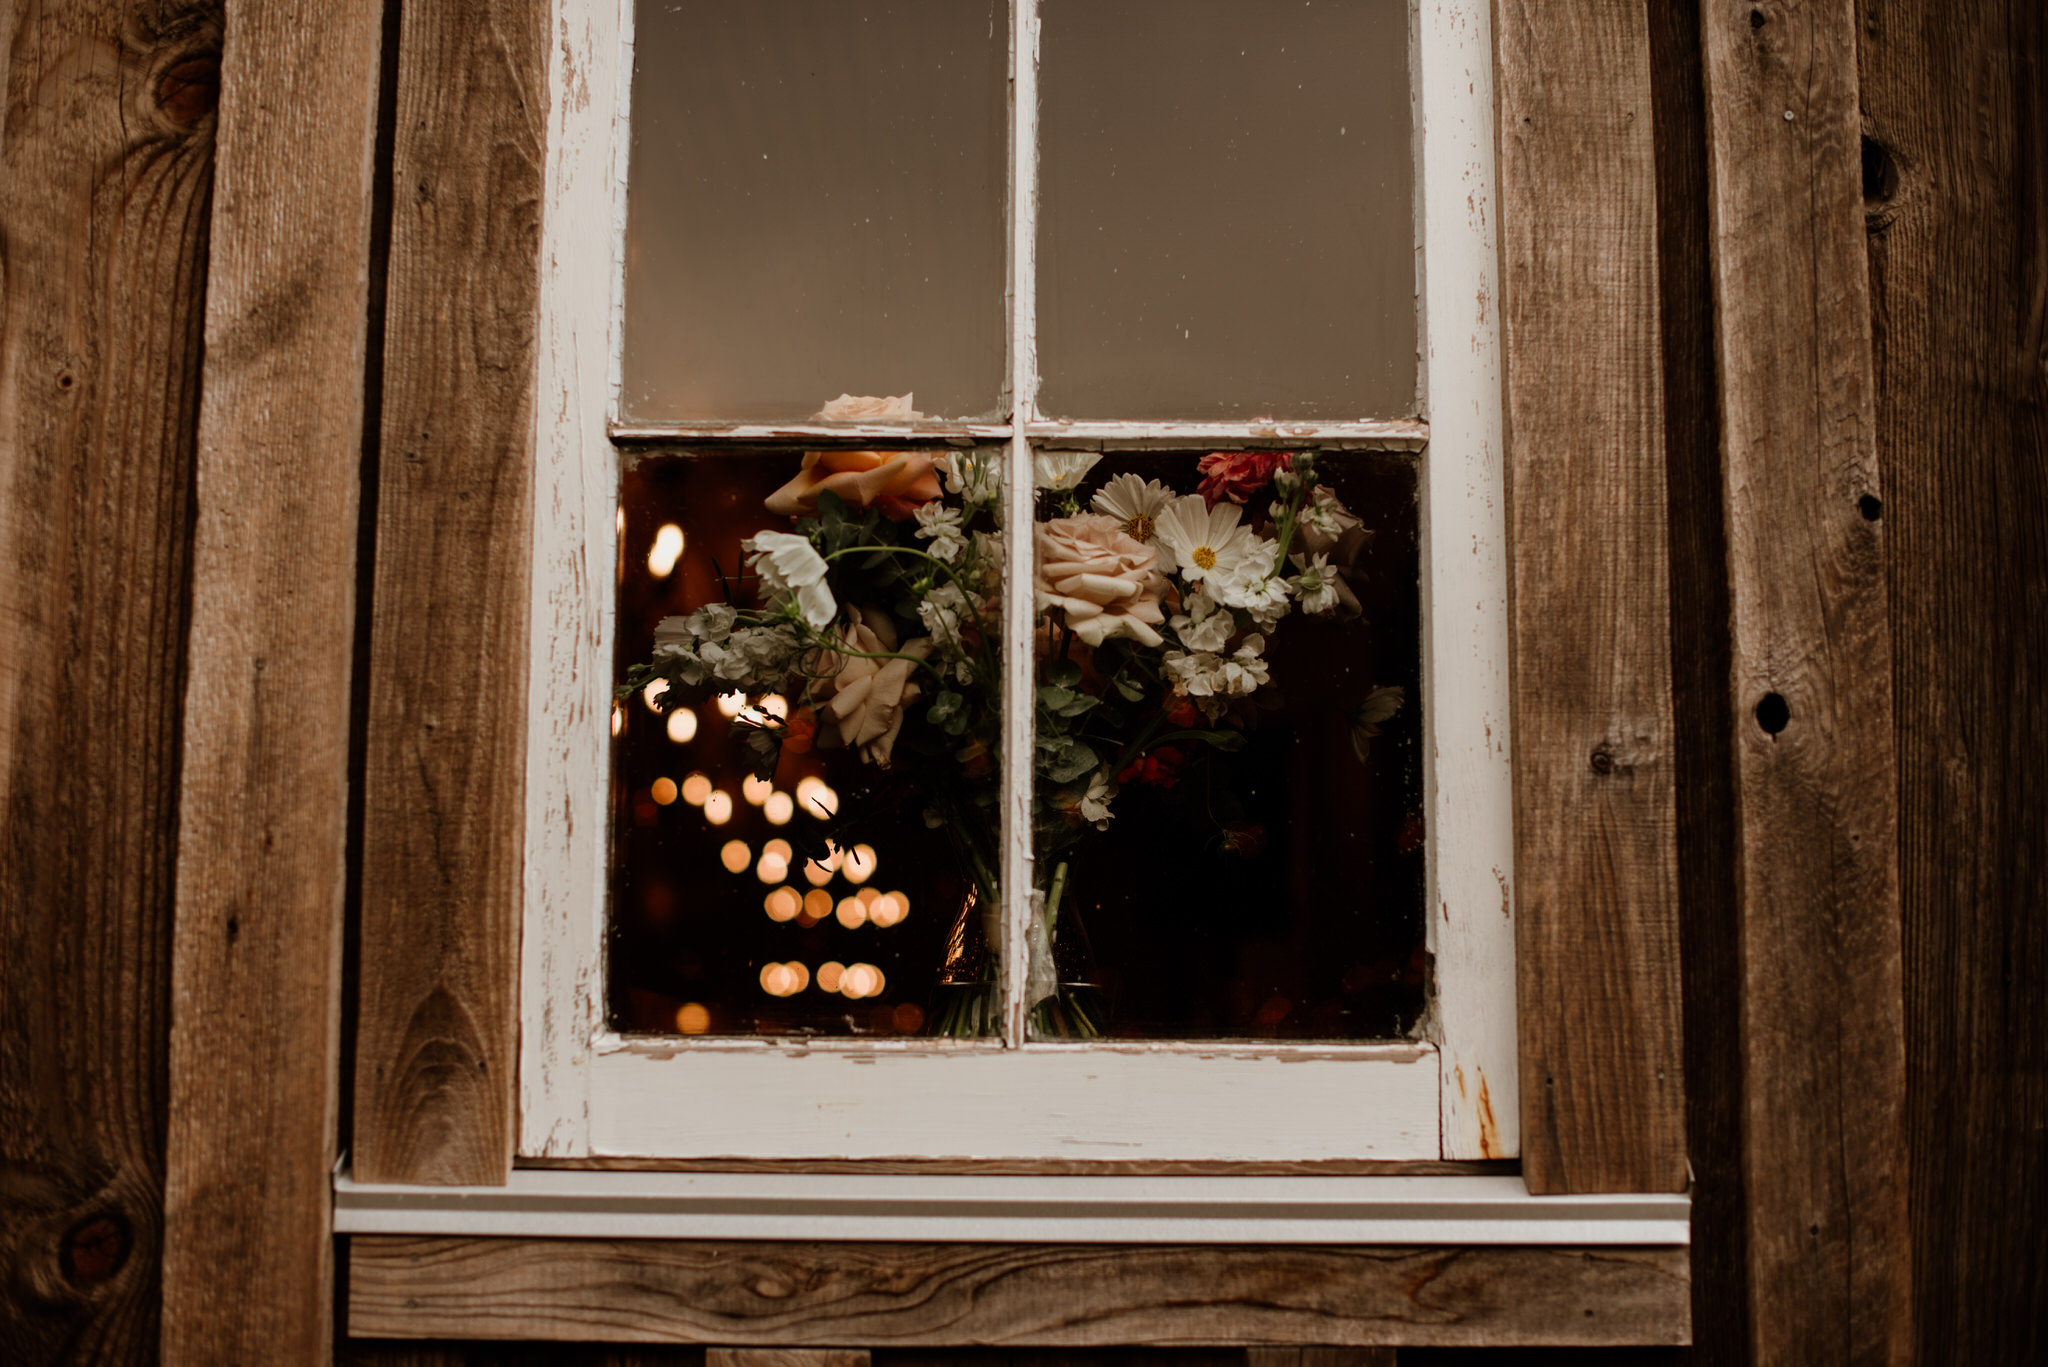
(869, 408)
(1108, 583)
(896, 482)
(865, 701)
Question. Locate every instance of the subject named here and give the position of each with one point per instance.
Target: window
(1033, 346)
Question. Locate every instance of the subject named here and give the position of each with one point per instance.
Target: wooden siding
(1595, 807)
(445, 774)
(1810, 696)
(256, 950)
(1956, 197)
(106, 163)
(901, 1295)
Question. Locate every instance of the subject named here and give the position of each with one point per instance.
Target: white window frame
(585, 1091)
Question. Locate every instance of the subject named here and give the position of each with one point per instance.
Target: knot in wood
(95, 1249)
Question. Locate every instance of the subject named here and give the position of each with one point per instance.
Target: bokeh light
(782, 904)
(663, 790)
(667, 549)
(817, 905)
(696, 787)
(859, 863)
(851, 913)
(718, 807)
(682, 725)
(779, 808)
(692, 1018)
(651, 695)
(773, 868)
(618, 719)
(729, 704)
(736, 855)
(755, 790)
(830, 975)
(861, 980)
(889, 908)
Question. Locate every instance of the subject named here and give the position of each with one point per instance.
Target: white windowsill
(556, 1203)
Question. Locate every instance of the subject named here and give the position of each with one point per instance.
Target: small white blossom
(1258, 592)
(1316, 584)
(1206, 674)
(940, 525)
(941, 611)
(1203, 626)
(1095, 802)
(790, 566)
(1323, 520)
(971, 475)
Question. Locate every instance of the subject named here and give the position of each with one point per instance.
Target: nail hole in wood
(65, 380)
(1773, 714)
(1871, 507)
(1756, 19)
(1603, 760)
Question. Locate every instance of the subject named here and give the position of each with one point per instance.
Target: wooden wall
(106, 204)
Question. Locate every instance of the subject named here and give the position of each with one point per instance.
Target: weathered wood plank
(1956, 187)
(384, 1353)
(256, 951)
(1319, 1357)
(786, 1357)
(106, 165)
(444, 780)
(1820, 1005)
(882, 1295)
(1595, 809)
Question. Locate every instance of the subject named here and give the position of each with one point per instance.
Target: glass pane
(816, 205)
(776, 868)
(1226, 222)
(1229, 834)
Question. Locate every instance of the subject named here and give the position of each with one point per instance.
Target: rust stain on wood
(1489, 1129)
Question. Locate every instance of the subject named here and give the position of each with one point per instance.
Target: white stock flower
(941, 526)
(1062, 469)
(1203, 626)
(1258, 592)
(1206, 675)
(968, 474)
(1323, 520)
(789, 565)
(1316, 584)
(1207, 543)
(1136, 503)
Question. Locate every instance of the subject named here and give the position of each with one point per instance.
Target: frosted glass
(1226, 225)
(815, 207)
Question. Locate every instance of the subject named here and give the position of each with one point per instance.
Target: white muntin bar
(952, 433)
(1376, 434)
(1019, 666)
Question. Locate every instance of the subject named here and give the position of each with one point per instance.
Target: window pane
(1230, 819)
(723, 921)
(816, 205)
(1226, 223)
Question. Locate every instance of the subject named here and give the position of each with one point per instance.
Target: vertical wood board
(106, 166)
(444, 810)
(1817, 880)
(1956, 203)
(1595, 748)
(256, 953)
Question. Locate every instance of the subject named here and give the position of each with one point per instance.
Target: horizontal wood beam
(762, 1294)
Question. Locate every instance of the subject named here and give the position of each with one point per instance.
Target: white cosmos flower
(1062, 469)
(1136, 503)
(789, 565)
(1208, 544)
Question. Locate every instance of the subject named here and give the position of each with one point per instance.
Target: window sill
(1372, 1210)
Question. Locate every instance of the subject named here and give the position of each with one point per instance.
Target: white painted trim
(1020, 609)
(1444, 1211)
(1365, 1101)
(682, 432)
(1384, 434)
(1464, 550)
(575, 500)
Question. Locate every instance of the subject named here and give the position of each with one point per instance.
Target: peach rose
(1108, 583)
(864, 703)
(896, 482)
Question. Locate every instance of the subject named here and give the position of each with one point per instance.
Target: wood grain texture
(1701, 664)
(1957, 205)
(106, 166)
(256, 949)
(1319, 1357)
(1595, 751)
(786, 1357)
(882, 1295)
(444, 780)
(383, 1353)
(1820, 1008)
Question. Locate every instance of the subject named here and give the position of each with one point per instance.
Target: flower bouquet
(873, 606)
